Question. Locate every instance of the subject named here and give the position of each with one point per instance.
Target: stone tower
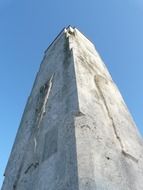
(76, 132)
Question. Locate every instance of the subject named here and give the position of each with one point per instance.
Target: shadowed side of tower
(44, 153)
(76, 132)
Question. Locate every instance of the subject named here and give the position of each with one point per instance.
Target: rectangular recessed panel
(50, 144)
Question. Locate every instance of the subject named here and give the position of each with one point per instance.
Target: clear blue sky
(27, 28)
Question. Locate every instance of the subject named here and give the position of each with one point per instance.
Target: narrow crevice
(33, 165)
(112, 121)
(29, 167)
(108, 111)
(47, 87)
(129, 156)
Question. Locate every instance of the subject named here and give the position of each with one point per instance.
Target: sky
(28, 27)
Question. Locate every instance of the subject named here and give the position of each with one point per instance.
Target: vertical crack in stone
(96, 79)
(44, 103)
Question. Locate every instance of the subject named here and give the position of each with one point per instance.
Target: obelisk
(76, 132)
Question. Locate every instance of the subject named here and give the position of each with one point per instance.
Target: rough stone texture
(76, 132)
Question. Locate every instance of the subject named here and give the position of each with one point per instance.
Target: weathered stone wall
(76, 132)
(44, 152)
(109, 147)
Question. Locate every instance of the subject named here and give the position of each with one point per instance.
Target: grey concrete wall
(76, 132)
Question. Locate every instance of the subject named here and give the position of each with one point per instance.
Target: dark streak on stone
(129, 156)
(32, 165)
(85, 126)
